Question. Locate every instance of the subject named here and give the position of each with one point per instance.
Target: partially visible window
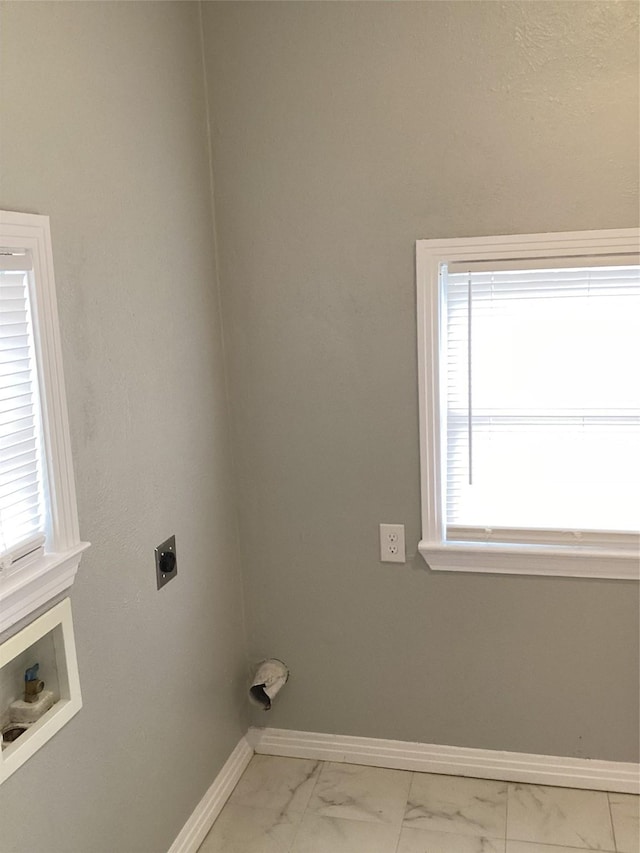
(531, 403)
(22, 493)
(40, 546)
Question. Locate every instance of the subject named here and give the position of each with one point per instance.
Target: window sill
(23, 592)
(557, 561)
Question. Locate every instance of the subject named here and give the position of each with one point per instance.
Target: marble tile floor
(292, 805)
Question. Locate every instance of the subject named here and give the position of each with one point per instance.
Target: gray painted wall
(104, 129)
(343, 132)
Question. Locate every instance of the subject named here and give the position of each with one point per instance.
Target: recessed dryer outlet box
(166, 561)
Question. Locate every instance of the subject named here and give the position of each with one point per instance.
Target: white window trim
(25, 589)
(593, 558)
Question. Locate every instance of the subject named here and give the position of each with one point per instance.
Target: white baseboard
(196, 828)
(585, 773)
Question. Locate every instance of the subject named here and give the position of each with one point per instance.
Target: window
(530, 403)
(40, 545)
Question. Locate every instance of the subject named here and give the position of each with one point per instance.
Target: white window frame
(586, 555)
(26, 588)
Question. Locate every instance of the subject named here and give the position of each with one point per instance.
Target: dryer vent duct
(270, 678)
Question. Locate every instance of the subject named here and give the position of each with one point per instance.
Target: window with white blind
(40, 546)
(530, 403)
(22, 501)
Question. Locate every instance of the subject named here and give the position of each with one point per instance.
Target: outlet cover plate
(392, 548)
(166, 561)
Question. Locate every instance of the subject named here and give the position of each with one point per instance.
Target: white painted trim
(596, 560)
(70, 700)
(196, 828)
(584, 773)
(25, 591)
(578, 243)
(55, 571)
(512, 559)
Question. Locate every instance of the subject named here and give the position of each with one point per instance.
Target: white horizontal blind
(542, 399)
(22, 502)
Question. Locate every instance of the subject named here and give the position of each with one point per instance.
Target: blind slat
(11, 259)
(22, 509)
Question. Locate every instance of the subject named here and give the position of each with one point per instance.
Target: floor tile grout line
(506, 818)
(397, 844)
(613, 826)
(404, 813)
(322, 765)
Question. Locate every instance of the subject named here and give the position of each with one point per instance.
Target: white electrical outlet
(392, 543)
